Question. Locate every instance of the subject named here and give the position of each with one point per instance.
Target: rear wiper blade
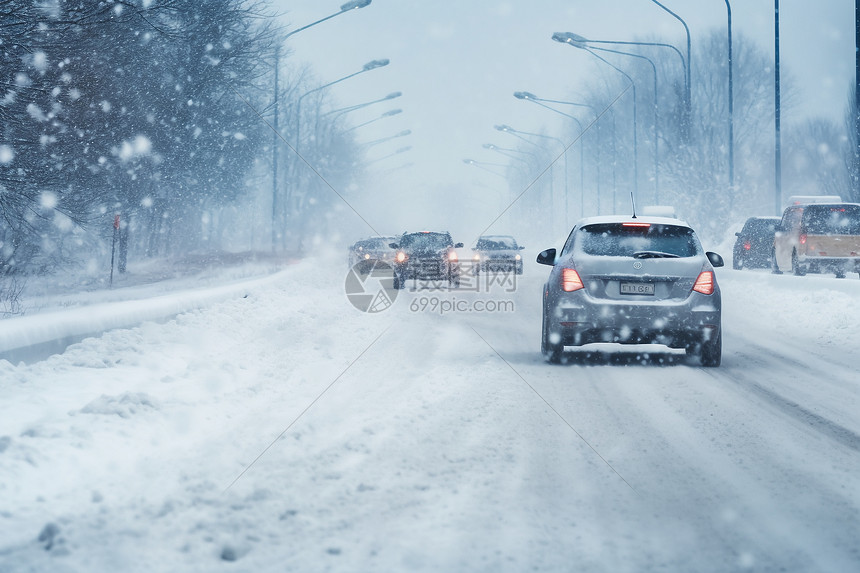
(654, 255)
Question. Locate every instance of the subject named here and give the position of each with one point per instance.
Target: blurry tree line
(693, 172)
(158, 111)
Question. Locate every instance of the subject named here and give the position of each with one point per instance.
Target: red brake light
(646, 225)
(570, 280)
(705, 283)
(803, 239)
(747, 246)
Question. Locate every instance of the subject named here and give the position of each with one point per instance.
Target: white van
(818, 237)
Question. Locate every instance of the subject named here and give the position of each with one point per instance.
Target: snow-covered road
(287, 431)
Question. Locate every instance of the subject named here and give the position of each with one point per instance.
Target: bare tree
(152, 128)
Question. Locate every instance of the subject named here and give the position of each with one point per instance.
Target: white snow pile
(142, 295)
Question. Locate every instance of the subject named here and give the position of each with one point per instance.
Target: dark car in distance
(754, 244)
(497, 253)
(426, 256)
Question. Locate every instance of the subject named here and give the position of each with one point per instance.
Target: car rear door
(837, 234)
(785, 239)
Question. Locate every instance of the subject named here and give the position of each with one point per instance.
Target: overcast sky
(458, 63)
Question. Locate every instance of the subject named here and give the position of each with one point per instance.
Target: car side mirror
(394, 245)
(521, 247)
(546, 257)
(716, 260)
(458, 245)
(737, 234)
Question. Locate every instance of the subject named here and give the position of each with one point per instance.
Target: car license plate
(637, 288)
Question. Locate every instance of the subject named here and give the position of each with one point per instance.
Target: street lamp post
(777, 112)
(525, 168)
(507, 151)
(399, 167)
(689, 106)
(656, 120)
(349, 6)
(383, 116)
(275, 132)
(481, 164)
(371, 65)
(552, 192)
(568, 38)
(535, 99)
(344, 110)
(403, 133)
(392, 154)
(856, 120)
(656, 44)
(731, 115)
(514, 132)
(528, 96)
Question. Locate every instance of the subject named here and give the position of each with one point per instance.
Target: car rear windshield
(638, 240)
(832, 219)
(760, 226)
(426, 241)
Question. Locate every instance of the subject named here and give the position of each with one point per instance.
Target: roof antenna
(633, 202)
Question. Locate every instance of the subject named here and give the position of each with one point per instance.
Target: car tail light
(747, 246)
(400, 257)
(803, 239)
(645, 225)
(705, 283)
(570, 280)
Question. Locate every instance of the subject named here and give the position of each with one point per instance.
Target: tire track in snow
(824, 426)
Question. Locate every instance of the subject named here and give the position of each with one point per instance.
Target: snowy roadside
(60, 310)
(288, 431)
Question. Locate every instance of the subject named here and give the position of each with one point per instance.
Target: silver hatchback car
(632, 280)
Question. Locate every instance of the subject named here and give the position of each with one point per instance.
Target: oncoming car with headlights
(632, 280)
(427, 256)
(366, 252)
(495, 253)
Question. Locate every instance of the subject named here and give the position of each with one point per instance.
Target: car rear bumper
(817, 263)
(677, 325)
(754, 259)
